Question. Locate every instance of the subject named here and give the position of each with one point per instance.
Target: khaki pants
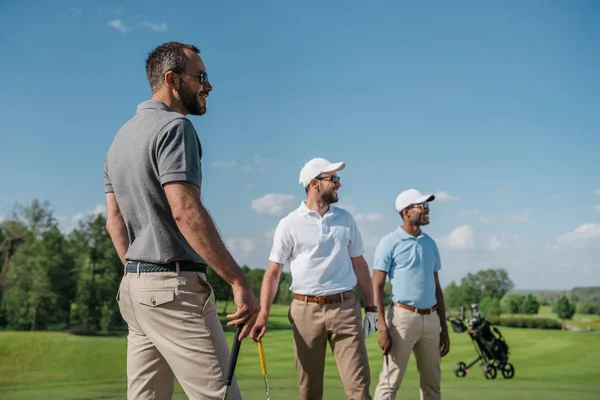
(339, 324)
(173, 331)
(411, 332)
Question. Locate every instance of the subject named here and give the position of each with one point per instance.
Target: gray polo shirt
(156, 146)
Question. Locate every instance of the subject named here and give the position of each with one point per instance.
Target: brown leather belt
(334, 298)
(423, 311)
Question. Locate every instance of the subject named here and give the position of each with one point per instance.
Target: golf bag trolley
(489, 344)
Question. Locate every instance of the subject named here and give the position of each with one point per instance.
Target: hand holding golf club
(247, 309)
(384, 341)
(260, 326)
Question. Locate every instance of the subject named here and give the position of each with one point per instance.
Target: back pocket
(155, 297)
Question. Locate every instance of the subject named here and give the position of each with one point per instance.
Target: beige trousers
(339, 324)
(174, 331)
(411, 332)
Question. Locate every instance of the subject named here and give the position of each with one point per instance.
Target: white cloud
(556, 197)
(241, 247)
(502, 240)
(372, 217)
(445, 196)
(275, 204)
(468, 212)
(247, 168)
(585, 237)
(99, 209)
(259, 160)
(597, 192)
(494, 243)
(596, 207)
(162, 27)
(119, 25)
(485, 220)
(461, 238)
(524, 216)
(224, 164)
(482, 218)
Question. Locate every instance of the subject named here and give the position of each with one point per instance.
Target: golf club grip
(261, 355)
(234, 354)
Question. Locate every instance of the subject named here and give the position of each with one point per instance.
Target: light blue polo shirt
(410, 263)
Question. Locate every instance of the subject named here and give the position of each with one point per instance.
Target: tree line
(54, 280)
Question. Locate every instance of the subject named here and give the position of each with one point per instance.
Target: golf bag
(489, 343)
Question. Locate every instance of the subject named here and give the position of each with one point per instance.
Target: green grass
(548, 364)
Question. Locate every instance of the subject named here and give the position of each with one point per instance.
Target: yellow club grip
(261, 355)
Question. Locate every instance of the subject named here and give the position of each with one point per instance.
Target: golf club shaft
(387, 369)
(235, 350)
(263, 366)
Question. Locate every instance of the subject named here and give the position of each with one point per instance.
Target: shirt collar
(304, 210)
(153, 104)
(407, 236)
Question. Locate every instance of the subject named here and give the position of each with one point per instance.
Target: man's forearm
(118, 234)
(365, 284)
(379, 279)
(441, 308)
(199, 230)
(268, 289)
(379, 302)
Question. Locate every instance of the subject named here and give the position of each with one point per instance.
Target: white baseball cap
(410, 197)
(317, 166)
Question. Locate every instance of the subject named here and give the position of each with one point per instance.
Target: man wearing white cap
(416, 319)
(324, 248)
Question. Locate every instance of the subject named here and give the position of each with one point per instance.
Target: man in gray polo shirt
(166, 238)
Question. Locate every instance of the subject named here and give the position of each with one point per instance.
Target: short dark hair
(166, 57)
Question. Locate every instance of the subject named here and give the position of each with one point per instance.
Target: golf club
(233, 359)
(263, 367)
(387, 370)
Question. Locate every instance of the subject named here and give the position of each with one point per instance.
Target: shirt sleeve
(282, 244)
(438, 263)
(107, 185)
(383, 257)
(355, 246)
(179, 153)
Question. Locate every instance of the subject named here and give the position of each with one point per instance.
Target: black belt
(186, 266)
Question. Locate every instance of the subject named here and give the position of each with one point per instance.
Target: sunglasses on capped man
(423, 206)
(333, 178)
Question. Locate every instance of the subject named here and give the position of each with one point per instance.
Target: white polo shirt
(318, 249)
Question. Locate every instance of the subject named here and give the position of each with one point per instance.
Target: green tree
(99, 272)
(512, 303)
(453, 295)
(564, 308)
(37, 277)
(255, 277)
(490, 306)
(531, 305)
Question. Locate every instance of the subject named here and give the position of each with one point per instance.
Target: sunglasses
(423, 206)
(333, 178)
(202, 77)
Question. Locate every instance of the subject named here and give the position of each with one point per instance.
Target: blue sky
(494, 107)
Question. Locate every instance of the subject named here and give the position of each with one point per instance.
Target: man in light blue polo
(416, 319)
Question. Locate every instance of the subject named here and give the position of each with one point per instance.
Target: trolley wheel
(489, 371)
(508, 371)
(460, 369)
